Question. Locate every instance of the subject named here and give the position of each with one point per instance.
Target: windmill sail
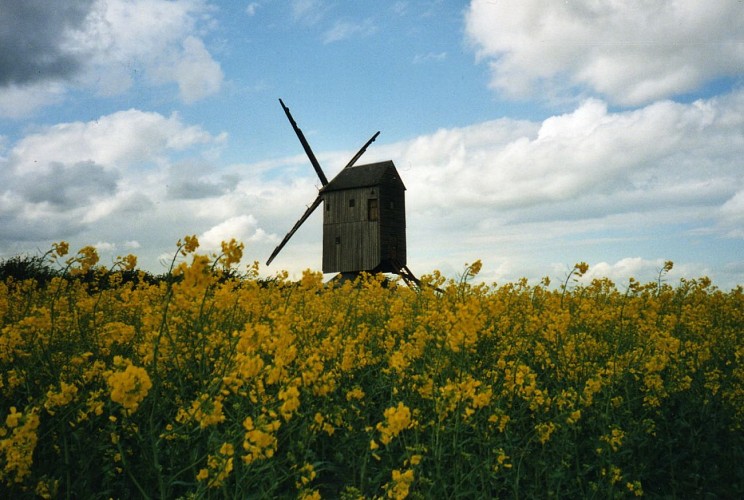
(361, 151)
(321, 176)
(294, 229)
(305, 145)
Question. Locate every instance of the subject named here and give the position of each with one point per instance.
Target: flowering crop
(209, 383)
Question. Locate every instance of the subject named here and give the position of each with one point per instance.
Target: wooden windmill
(364, 216)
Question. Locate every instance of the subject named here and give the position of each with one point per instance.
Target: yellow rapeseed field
(206, 383)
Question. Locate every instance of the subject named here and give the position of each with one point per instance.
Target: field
(211, 383)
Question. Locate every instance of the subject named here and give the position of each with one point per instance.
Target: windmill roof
(360, 176)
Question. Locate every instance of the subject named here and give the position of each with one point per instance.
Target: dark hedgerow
(25, 267)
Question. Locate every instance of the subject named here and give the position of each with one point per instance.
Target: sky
(529, 134)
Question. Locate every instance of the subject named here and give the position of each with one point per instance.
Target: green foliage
(24, 267)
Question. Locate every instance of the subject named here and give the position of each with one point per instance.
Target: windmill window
(338, 240)
(328, 207)
(373, 212)
(351, 203)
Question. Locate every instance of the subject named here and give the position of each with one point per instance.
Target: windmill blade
(294, 229)
(361, 151)
(305, 145)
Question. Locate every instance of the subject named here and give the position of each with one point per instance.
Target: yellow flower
(13, 418)
(397, 419)
(232, 252)
(129, 387)
(356, 393)
(17, 450)
(190, 244)
(203, 475)
(614, 439)
(61, 249)
(635, 488)
(66, 394)
(86, 258)
(573, 417)
(400, 486)
(205, 410)
(544, 431)
(502, 461)
(47, 489)
(260, 441)
(291, 398)
(306, 476)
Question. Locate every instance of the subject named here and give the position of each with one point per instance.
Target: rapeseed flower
(395, 392)
(130, 386)
(17, 444)
(397, 419)
(400, 486)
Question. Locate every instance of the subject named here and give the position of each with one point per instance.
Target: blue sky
(530, 134)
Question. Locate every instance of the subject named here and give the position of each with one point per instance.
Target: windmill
(364, 216)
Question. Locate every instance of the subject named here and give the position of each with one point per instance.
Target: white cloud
(71, 177)
(105, 246)
(429, 57)
(517, 194)
(343, 30)
(120, 43)
(630, 52)
(591, 184)
(156, 37)
(17, 101)
(195, 72)
(307, 11)
(131, 138)
(243, 228)
(663, 154)
(732, 216)
(251, 8)
(641, 270)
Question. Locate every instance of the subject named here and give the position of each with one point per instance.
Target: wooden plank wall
(364, 244)
(393, 223)
(360, 238)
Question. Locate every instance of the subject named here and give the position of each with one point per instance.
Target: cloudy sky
(530, 134)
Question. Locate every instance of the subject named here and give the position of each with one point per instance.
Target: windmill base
(393, 268)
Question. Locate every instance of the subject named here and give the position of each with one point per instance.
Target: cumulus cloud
(122, 139)
(629, 52)
(65, 187)
(63, 178)
(732, 216)
(108, 45)
(518, 192)
(17, 101)
(241, 227)
(195, 72)
(590, 159)
(33, 38)
(511, 192)
(641, 270)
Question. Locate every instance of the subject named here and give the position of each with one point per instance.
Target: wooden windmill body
(364, 220)
(364, 216)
